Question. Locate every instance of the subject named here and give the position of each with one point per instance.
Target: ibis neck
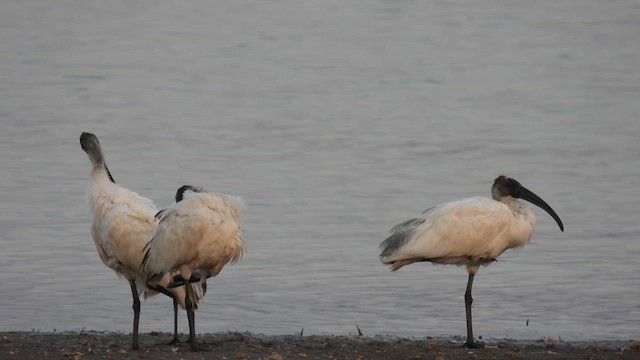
(100, 172)
(100, 169)
(513, 204)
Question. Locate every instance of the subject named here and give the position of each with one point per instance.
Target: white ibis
(123, 223)
(471, 232)
(195, 238)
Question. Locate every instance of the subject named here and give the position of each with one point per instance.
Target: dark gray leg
(191, 317)
(468, 300)
(136, 315)
(176, 339)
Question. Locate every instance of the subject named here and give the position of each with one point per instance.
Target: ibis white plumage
(123, 223)
(472, 232)
(195, 238)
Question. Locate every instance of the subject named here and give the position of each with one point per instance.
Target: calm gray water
(334, 120)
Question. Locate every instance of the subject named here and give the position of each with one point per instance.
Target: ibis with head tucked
(471, 232)
(123, 223)
(195, 238)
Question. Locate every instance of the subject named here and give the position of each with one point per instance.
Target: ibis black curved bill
(526, 194)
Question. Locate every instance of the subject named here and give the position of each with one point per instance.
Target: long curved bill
(526, 194)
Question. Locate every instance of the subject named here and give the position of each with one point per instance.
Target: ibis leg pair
(136, 319)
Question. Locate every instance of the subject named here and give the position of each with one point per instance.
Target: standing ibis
(123, 223)
(195, 238)
(471, 232)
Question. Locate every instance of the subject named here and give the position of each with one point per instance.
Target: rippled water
(334, 121)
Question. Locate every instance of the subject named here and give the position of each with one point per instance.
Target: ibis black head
(505, 186)
(184, 188)
(89, 143)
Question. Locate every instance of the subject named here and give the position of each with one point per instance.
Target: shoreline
(240, 346)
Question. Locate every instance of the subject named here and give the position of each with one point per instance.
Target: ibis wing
(465, 228)
(174, 241)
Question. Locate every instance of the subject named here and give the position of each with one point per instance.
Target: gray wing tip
(401, 234)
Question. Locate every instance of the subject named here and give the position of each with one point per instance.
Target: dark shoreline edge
(319, 339)
(235, 345)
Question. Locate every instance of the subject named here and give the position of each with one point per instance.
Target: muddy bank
(242, 346)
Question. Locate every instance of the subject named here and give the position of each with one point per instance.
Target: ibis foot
(473, 345)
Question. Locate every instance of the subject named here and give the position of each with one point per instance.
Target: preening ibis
(123, 223)
(195, 238)
(471, 232)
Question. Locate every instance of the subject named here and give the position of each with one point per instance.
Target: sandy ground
(241, 346)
